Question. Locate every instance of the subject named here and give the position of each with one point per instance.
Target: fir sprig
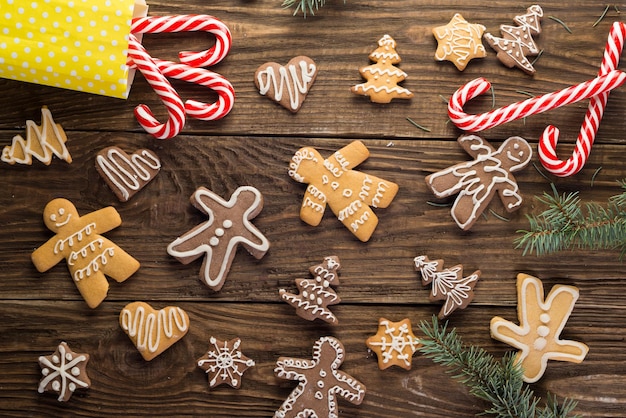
(304, 5)
(498, 382)
(565, 225)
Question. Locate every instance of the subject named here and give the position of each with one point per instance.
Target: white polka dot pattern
(79, 45)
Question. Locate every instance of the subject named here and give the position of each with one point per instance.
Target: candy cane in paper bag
(156, 72)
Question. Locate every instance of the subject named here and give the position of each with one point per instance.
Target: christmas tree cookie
(383, 77)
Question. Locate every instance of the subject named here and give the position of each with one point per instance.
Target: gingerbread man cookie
(394, 343)
(447, 284)
(316, 295)
(224, 363)
(321, 382)
(229, 225)
(459, 42)
(478, 181)
(90, 256)
(350, 194)
(383, 76)
(63, 372)
(541, 322)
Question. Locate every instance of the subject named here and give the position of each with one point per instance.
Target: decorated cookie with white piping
(383, 76)
(90, 256)
(229, 225)
(477, 182)
(541, 321)
(63, 372)
(127, 174)
(153, 331)
(287, 85)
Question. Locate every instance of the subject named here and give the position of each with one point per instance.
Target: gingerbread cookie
(317, 294)
(321, 382)
(478, 181)
(349, 193)
(153, 331)
(394, 343)
(287, 85)
(383, 77)
(229, 225)
(448, 284)
(224, 363)
(540, 324)
(63, 372)
(517, 43)
(90, 256)
(127, 174)
(459, 42)
(42, 142)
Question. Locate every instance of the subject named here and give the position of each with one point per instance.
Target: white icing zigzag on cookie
(128, 173)
(42, 142)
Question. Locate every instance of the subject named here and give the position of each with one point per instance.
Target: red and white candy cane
(189, 23)
(138, 55)
(589, 128)
(203, 77)
(532, 106)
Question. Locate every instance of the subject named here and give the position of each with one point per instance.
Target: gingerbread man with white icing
(321, 382)
(350, 194)
(90, 256)
(478, 181)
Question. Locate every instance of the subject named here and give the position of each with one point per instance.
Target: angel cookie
(540, 324)
(349, 193)
(478, 181)
(89, 255)
(228, 226)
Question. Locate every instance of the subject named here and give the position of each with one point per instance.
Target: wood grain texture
(253, 146)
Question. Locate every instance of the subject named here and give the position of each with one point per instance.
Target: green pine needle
(497, 382)
(304, 6)
(567, 224)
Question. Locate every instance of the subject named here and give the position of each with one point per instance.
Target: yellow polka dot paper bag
(72, 44)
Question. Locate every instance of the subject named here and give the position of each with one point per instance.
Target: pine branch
(565, 225)
(304, 5)
(498, 382)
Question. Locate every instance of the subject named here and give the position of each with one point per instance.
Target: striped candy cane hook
(189, 23)
(591, 123)
(172, 101)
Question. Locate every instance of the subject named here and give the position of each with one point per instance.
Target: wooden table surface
(253, 146)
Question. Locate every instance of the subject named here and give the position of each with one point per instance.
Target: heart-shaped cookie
(153, 331)
(127, 174)
(289, 84)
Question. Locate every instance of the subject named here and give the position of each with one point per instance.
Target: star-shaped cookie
(224, 362)
(394, 343)
(540, 324)
(459, 42)
(63, 372)
(228, 226)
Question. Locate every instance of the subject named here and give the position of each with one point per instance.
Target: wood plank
(171, 383)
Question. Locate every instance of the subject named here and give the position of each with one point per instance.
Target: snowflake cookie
(63, 372)
(447, 284)
(229, 225)
(350, 194)
(321, 382)
(316, 294)
(537, 337)
(394, 343)
(224, 362)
